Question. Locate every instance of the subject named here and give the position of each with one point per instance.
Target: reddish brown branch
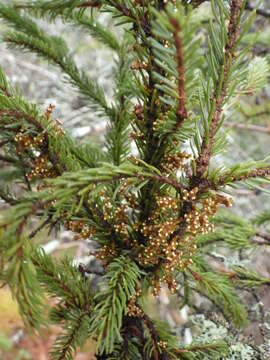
(155, 339)
(143, 22)
(181, 111)
(168, 181)
(90, 4)
(21, 115)
(262, 172)
(249, 7)
(195, 275)
(40, 227)
(203, 160)
(20, 230)
(123, 9)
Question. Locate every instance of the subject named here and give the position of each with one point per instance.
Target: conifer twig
(86, 4)
(155, 337)
(203, 159)
(260, 172)
(71, 338)
(40, 227)
(248, 7)
(94, 3)
(30, 119)
(199, 347)
(250, 127)
(21, 115)
(181, 111)
(146, 216)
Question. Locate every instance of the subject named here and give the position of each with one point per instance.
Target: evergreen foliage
(155, 214)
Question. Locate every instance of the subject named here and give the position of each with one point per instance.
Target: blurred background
(248, 135)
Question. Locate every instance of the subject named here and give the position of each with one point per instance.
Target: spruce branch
(203, 159)
(181, 111)
(97, 30)
(56, 5)
(21, 115)
(158, 351)
(118, 146)
(220, 291)
(66, 345)
(67, 11)
(78, 79)
(62, 153)
(63, 280)
(123, 277)
(29, 37)
(172, 350)
(96, 3)
(240, 173)
(40, 227)
(126, 11)
(248, 7)
(246, 278)
(21, 277)
(147, 214)
(211, 350)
